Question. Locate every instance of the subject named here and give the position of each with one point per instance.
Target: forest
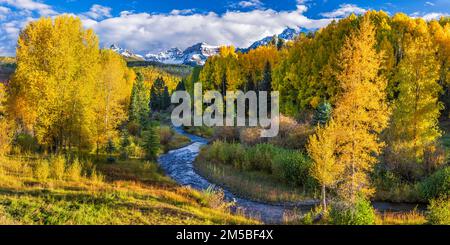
(364, 120)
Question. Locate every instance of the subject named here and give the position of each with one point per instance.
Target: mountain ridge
(197, 54)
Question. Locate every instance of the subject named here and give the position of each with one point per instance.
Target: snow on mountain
(199, 53)
(194, 55)
(288, 34)
(125, 52)
(170, 56)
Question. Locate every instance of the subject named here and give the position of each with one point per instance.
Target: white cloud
(30, 5)
(3, 12)
(182, 11)
(99, 12)
(145, 32)
(250, 3)
(429, 4)
(344, 10)
(433, 16)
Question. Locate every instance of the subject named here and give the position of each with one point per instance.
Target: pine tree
(322, 113)
(165, 98)
(156, 95)
(151, 142)
(361, 111)
(139, 106)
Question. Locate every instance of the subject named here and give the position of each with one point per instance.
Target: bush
(259, 157)
(250, 136)
(165, 134)
(57, 167)
(360, 213)
(26, 143)
(74, 171)
(292, 166)
(437, 184)
(227, 134)
(439, 211)
(41, 170)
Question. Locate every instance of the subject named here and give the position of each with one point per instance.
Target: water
(178, 164)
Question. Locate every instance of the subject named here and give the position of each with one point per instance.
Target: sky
(145, 26)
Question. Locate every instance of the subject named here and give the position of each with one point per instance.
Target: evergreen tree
(322, 113)
(181, 86)
(165, 98)
(156, 95)
(151, 142)
(139, 108)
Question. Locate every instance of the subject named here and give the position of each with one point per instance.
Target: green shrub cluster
(288, 165)
(359, 213)
(437, 184)
(439, 211)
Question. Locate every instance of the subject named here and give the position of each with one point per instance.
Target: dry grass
(255, 185)
(410, 218)
(133, 192)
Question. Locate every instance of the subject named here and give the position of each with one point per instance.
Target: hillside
(130, 192)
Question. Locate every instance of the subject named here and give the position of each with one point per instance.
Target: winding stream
(178, 164)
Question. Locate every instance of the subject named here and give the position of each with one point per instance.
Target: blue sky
(155, 25)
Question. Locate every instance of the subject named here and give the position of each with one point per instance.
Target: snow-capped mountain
(288, 34)
(199, 53)
(125, 52)
(194, 55)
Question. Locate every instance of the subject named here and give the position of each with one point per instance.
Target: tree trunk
(324, 199)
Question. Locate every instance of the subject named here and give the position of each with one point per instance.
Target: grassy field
(127, 192)
(255, 185)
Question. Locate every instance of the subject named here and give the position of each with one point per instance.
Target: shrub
(292, 166)
(359, 213)
(74, 171)
(434, 158)
(439, 211)
(41, 170)
(250, 136)
(437, 184)
(26, 143)
(227, 134)
(259, 157)
(57, 167)
(165, 134)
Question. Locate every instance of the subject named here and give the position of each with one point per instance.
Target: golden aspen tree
(5, 127)
(112, 92)
(361, 111)
(416, 110)
(52, 88)
(322, 150)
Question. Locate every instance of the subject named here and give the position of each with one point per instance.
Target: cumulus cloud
(144, 32)
(3, 12)
(30, 5)
(99, 12)
(433, 16)
(250, 3)
(182, 11)
(343, 11)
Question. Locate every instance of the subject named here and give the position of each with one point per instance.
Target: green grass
(255, 185)
(131, 192)
(202, 131)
